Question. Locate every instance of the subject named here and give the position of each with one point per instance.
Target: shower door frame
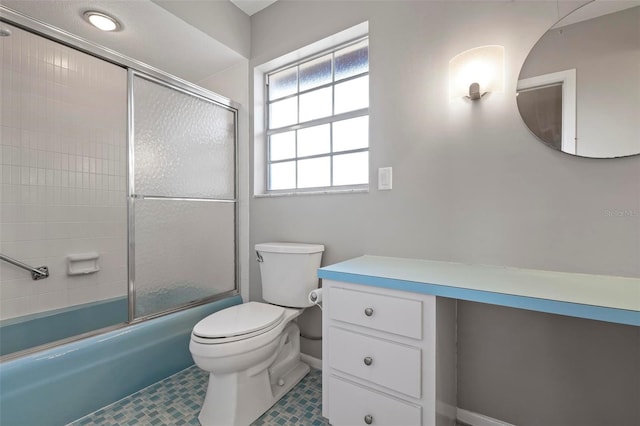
(66, 38)
(132, 196)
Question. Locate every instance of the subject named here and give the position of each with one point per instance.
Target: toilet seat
(238, 322)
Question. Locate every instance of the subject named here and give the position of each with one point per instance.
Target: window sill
(321, 192)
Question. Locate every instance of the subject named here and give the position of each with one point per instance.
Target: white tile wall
(62, 173)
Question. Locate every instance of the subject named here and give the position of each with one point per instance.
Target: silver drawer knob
(368, 360)
(368, 312)
(368, 419)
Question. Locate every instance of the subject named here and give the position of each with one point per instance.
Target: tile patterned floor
(176, 401)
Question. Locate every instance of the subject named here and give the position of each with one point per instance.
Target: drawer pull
(368, 419)
(368, 312)
(368, 360)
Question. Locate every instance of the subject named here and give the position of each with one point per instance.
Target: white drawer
(385, 313)
(351, 404)
(385, 363)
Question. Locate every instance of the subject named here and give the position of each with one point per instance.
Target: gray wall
(471, 184)
(222, 20)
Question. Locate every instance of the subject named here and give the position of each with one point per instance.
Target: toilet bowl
(252, 350)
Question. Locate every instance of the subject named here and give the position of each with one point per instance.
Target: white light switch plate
(385, 178)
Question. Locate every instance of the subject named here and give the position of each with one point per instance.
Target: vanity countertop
(599, 297)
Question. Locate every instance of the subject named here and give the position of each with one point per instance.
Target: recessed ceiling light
(101, 21)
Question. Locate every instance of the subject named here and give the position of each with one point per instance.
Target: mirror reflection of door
(541, 110)
(547, 104)
(600, 44)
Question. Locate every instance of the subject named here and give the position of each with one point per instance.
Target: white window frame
(261, 132)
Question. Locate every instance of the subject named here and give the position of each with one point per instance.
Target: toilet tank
(289, 272)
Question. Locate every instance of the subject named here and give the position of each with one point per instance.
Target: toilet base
(225, 409)
(290, 380)
(238, 399)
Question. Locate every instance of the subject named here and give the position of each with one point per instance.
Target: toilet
(252, 350)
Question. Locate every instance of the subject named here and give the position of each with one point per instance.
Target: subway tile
(15, 307)
(33, 156)
(81, 295)
(5, 174)
(56, 283)
(9, 213)
(42, 177)
(15, 178)
(9, 195)
(6, 154)
(33, 176)
(15, 283)
(53, 171)
(113, 289)
(24, 175)
(49, 301)
(15, 156)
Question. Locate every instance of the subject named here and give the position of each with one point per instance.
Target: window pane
(283, 83)
(282, 175)
(282, 146)
(283, 113)
(316, 104)
(351, 134)
(351, 169)
(314, 172)
(352, 60)
(314, 140)
(315, 73)
(352, 95)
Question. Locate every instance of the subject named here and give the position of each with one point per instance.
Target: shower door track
(61, 36)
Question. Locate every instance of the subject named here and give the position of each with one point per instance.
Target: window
(318, 121)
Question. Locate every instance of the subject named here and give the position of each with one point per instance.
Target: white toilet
(252, 351)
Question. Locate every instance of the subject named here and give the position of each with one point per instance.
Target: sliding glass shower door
(182, 197)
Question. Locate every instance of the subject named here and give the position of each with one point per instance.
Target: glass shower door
(182, 203)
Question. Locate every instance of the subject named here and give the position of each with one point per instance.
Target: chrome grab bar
(38, 273)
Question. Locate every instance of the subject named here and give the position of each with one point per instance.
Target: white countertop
(593, 295)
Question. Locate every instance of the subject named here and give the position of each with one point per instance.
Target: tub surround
(17, 334)
(69, 381)
(598, 297)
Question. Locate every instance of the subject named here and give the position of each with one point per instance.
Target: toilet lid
(239, 320)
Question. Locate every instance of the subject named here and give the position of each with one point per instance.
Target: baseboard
(475, 419)
(312, 361)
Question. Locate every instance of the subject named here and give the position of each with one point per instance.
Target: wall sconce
(477, 71)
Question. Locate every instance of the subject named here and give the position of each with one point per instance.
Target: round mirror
(579, 88)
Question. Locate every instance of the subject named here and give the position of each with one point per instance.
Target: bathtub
(62, 384)
(17, 334)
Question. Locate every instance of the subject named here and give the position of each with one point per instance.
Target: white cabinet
(389, 357)
(352, 404)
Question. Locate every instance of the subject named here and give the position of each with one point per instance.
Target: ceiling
(150, 34)
(252, 6)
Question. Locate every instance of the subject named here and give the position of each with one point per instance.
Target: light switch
(385, 178)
